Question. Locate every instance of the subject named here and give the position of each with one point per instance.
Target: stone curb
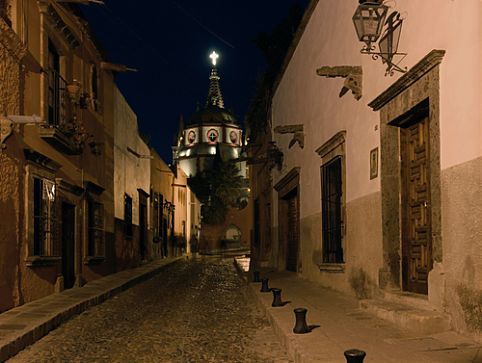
(289, 342)
(294, 345)
(66, 304)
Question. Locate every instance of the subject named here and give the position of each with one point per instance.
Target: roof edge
(294, 43)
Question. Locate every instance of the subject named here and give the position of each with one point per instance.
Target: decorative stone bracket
(6, 129)
(353, 78)
(297, 130)
(7, 122)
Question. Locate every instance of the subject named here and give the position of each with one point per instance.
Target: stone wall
(462, 244)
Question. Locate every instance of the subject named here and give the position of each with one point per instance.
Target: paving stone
(193, 311)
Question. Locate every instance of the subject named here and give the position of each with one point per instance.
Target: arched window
(232, 233)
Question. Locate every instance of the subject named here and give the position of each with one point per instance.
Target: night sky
(169, 42)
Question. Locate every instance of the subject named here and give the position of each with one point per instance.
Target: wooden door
(142, 229)
(416, 215)
(293, 231)
(68, 244)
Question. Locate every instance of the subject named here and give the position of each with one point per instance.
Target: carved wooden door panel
(416, 221)
(293, 233)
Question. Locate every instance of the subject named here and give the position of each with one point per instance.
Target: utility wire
(129, 28)
(198, 22)
(118, 21)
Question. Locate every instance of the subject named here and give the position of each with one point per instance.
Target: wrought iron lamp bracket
(391, 67)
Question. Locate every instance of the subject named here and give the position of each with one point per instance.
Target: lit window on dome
(191, 137)
(212, 136)
(233, 136)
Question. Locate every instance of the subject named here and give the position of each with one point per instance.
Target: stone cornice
(292, 174)
(41, 160)
(431, 60)
(332, 143)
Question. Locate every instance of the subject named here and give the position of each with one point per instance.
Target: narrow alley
(193, 311)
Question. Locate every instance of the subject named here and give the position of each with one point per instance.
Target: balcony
(61, 130)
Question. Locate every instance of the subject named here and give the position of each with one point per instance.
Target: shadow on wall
(471, 302)
(363, 286)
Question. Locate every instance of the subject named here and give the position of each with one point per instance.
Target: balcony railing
(61, 129)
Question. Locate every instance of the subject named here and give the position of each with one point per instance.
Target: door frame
(413, 94)
(287, 185)
(143, 224)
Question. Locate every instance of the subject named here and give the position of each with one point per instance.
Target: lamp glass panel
(369, 20)
(358, 26)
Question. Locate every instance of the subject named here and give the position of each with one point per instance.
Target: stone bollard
(276, 297)
(300, 326)
(264, 285)
(354, 356)
(256, 276)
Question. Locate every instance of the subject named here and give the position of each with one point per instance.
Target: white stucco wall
(303, 97)
(131, 159)
(330, 40)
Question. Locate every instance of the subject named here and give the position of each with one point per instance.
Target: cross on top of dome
(214, 57)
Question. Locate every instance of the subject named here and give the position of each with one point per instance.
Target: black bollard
(264, 285)
(276, 297)
(256, 276)
(300, 326)
(354, 356)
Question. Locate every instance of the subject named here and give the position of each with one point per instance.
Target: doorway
(142, 228)
(416, 206)
(292, 221)
(68, 244)
(288, 189)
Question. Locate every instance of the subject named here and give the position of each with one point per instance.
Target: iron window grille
(45, 225)
(332, 212)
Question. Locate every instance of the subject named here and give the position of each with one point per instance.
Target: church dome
(213, 115)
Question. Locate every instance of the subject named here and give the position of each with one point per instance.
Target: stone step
(408, 298)
(420, 320)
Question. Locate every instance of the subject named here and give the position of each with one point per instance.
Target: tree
(218, 188)
(274, 45)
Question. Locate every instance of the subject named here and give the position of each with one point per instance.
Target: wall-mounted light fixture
(372, 23)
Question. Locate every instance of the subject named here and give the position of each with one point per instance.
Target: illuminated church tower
(211, 131)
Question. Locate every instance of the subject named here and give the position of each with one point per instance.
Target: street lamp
(370, 19)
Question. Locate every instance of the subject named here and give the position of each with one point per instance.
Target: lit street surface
(193, 311)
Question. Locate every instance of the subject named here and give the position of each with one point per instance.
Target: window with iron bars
(45, 226)
(57, 89)
(155, 217)
(332, 211)
(127, 215)
(95, 228)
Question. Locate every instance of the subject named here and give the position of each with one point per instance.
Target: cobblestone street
(193, 311)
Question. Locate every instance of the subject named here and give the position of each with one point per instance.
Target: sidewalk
(24, 325)
(343, 325)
